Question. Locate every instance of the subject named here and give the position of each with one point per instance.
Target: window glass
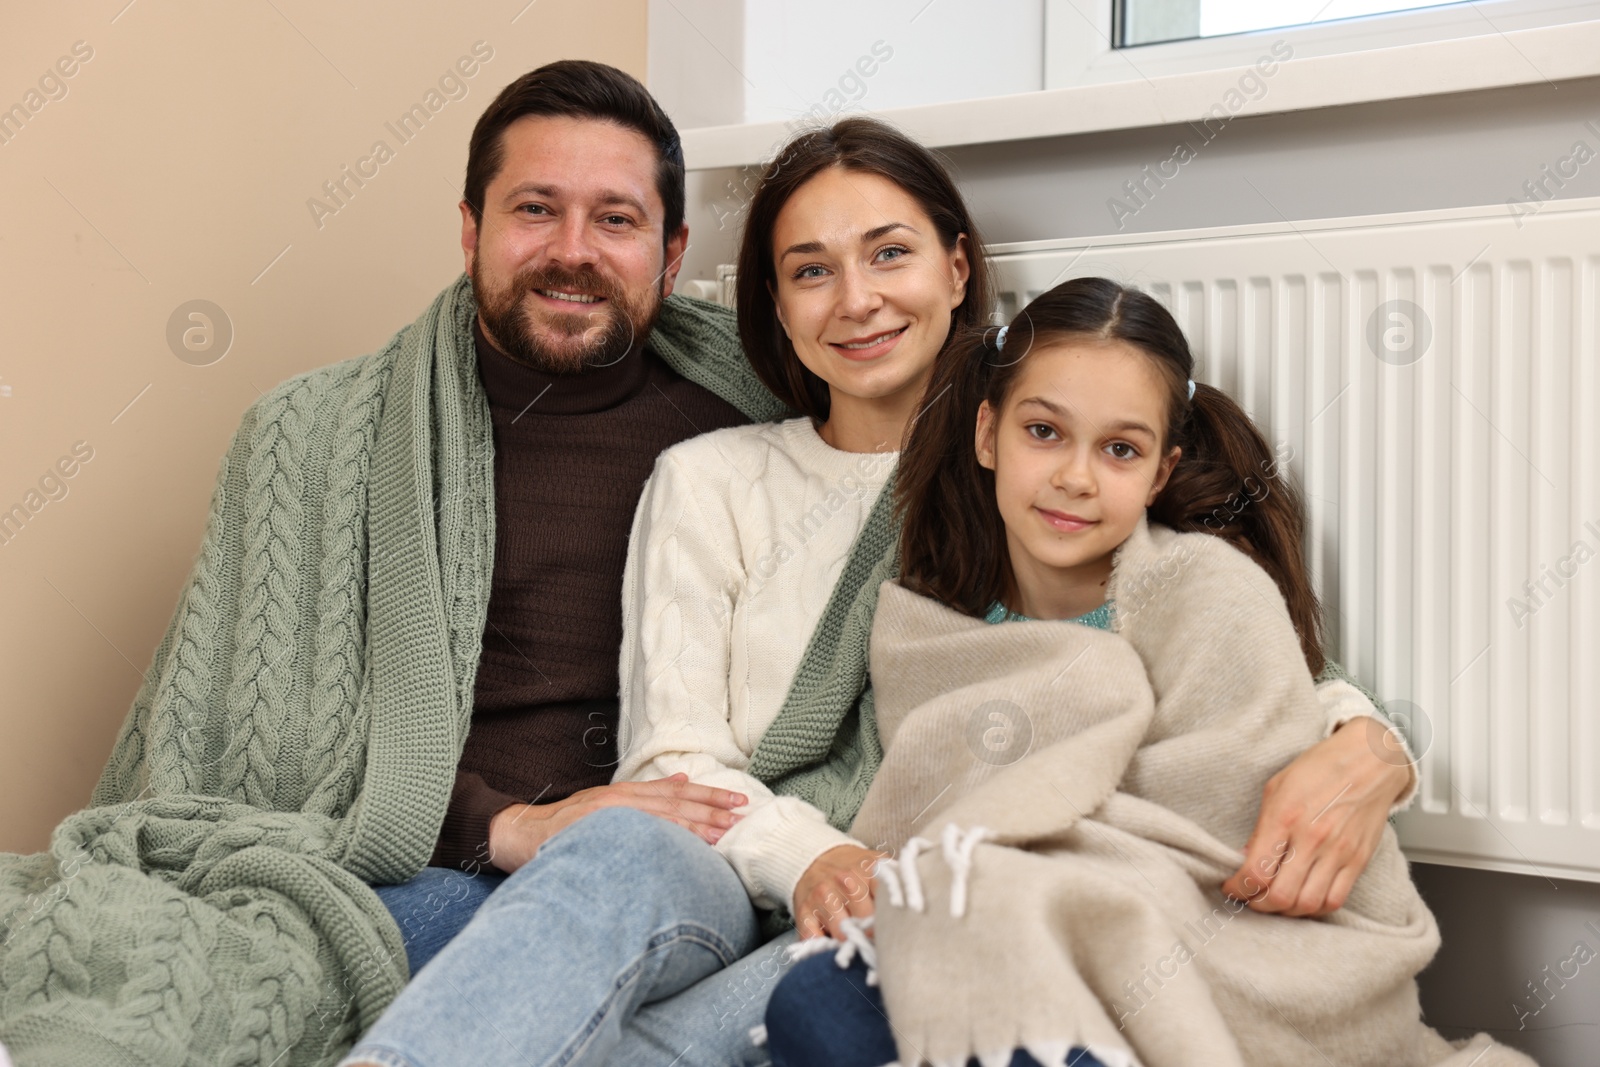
(1152, 21)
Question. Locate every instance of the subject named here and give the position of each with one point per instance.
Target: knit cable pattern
(335, 750)
(212, 907)
(270, 586)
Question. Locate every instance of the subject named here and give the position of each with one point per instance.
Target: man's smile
(569, 297)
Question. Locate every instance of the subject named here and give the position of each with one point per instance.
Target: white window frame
(1186, 81)
(1078, 37)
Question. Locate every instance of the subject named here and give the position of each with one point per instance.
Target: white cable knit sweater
(737, 542)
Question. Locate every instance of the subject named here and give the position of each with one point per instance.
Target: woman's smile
(870, 346)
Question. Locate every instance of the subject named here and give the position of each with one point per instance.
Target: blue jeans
(434, 907)
(822, 1015)
(626, 941)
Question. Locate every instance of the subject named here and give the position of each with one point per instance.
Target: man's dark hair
(578, 88)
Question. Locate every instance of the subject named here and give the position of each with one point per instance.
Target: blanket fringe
(908, 867)
(958, 848)
(902, 883)
(887, 872)
(856, 942)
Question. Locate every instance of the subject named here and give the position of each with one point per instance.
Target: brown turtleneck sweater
(572, 454)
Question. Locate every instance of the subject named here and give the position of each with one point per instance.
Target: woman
(859, 263)
(740, 534)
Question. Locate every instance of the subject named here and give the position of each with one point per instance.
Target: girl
(1075, 471)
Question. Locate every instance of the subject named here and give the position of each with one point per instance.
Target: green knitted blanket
(297, 734)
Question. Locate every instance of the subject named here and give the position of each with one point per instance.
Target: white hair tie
(1191, 388)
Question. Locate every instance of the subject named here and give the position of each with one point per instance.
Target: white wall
(696, 59)
(718, 62)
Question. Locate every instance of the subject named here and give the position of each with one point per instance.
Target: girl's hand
(837, 885)
(1321, 819)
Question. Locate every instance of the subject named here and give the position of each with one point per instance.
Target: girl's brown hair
(867, 146)
(1227, 483)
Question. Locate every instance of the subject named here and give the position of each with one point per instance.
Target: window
(1092, 42)
(1141, 22)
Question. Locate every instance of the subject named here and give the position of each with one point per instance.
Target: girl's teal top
(1099, 618)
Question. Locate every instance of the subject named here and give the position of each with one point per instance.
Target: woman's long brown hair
(1227, 483)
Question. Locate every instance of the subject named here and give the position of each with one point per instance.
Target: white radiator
(1436, 377)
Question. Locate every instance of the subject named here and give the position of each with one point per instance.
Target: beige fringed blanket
(1118, 778)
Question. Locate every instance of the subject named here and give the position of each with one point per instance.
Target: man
(572, 228)
(573, 232)
(350, 692)
(399, 644)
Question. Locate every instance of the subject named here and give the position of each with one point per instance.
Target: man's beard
(588, 337)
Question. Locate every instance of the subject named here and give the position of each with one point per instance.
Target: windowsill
(1465, 64)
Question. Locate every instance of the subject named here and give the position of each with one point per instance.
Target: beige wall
(178, 166)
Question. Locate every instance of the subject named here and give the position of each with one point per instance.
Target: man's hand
(1321, 819)
(515, 833)
(837, 885)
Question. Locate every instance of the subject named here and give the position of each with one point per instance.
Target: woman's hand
(837, 885)
(517, 832)
(1321, 819)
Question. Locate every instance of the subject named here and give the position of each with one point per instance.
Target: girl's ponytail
(1230, 483)
(952, 541)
